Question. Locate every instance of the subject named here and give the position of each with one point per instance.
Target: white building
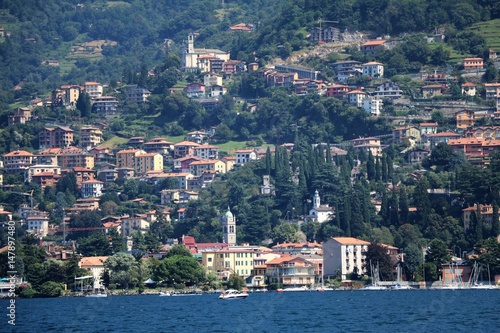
(245, 155)
(95, 266)
(94, 89)
(41, 168)
(319, 212)
(211, 79)
(92, 188)
(373, 106)
(131, 224)
(356, 97)
(191, 60)
(38, 225)
(373, 69)
(136, 94)
(344, 255)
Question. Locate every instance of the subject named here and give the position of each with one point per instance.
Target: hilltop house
(371, 46)
(373, 69)
(191, 56)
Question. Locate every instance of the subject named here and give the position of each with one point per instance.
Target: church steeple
(229, 228)
(316, 200)
(190, 48)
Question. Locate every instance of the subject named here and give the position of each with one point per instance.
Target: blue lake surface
(333, 311)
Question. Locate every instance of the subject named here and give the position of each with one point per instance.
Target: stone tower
(190, 48)
(229, 228)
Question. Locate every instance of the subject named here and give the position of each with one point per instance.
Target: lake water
(333, 311)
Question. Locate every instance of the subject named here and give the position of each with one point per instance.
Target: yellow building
(148, 162)
(126, 158)
(230, 261)
(198, 167)
(90, 137)
(72, 157)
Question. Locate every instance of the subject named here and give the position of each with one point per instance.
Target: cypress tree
(347, 216)
(403, 205)
(329, 160)
(495, 223)
(384, 167)
(390, 168)
(268, 161)
(394, 217)
(479, 224)
(378, 174)
(384, 208)
(84, 105)
(370, 166)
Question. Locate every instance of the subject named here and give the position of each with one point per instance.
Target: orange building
(473, 63)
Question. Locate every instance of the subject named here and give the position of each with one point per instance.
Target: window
(209, 259)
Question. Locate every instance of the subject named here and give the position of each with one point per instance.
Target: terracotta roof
(356, 91)
(350, 241)
(203, 162)
(374, 42)
(187, 157)
(468, 84)
(18, 153)
(244, 151)
(93, 261)
(442, 134)
(429, 124)
(128, 151)
(187, 143)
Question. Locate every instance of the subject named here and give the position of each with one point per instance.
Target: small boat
(400, 286)
(374, 287)
(165, 294)
(233, 294)
(303, 288)
(97, 295)
(323, 288)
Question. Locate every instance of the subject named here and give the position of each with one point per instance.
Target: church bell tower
(229, 228)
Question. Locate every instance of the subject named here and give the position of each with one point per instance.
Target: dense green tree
(236, 282)
(51, 289)
(491, 73)
(178, 250)
(413, 259)
(285, 233)
(84, 105)
(120, 266)
(179, 269)
(96, 244)
(403, 205)
(437, 254)
(394, 209)
(377, 259)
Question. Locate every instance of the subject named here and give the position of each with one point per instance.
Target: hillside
(128, 125)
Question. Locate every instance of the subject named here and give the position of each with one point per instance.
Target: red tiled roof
(350, 241)
(374, 42)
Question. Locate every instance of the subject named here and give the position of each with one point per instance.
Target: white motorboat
(165, 294)
(374, 287)
(97, 295)
(303, 288)
(233, 294)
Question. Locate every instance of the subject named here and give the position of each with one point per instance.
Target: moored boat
(233, 294)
